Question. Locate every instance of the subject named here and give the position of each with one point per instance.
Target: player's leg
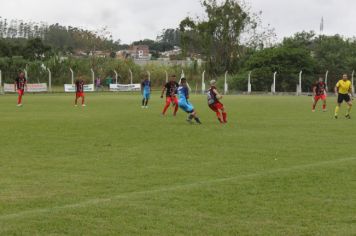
(339, 102)
(224, 114)
(76, 99)
(315, 101)
(19, 98)
(83, 100)
(146, 99)
(143, 101)
(324, 103)
(217, 112)
(349, 104)
(168, 102)
(175, 100)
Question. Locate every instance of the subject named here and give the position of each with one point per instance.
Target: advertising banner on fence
(9, 88)
(37, 88)
(125, 87)
(70, 88)
(31, 88)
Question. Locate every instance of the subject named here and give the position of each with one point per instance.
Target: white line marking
(167, 189)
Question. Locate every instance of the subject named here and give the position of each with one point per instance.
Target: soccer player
(20, 85)
(171, 88)
(184, 104)
(215, 104)
(79, 88)
(319, 93)
(146, 91)
(343, 92)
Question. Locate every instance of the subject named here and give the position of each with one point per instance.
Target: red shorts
(80, 94)
(216, 106)
(172, 99)
(20, 91)
(322, 97)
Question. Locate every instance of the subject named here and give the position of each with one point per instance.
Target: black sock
(143, 102)
(197, 120)
(190, 117)
(146, 102)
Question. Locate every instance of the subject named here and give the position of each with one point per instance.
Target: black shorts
(343, 97)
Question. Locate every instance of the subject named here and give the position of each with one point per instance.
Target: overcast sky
(130, 20)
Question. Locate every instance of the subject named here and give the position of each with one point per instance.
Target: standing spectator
(108, 81)
(98, 83)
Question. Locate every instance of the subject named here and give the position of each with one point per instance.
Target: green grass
(113, 168)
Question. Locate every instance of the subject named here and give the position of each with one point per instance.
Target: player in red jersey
(20, 86)
(215, 104)
(171, 89)
(319, 92)
(79, 88)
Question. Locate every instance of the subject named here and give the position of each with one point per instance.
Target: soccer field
(113, 168)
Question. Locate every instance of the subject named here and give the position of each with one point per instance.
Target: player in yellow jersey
(343, 92)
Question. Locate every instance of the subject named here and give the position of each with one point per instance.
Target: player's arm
(314, 91)
(142, 88)
(336, 90)
(218, 95)
(25, 87)
(15, 85)
(163, 90)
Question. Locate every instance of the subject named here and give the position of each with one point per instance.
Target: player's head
(183, 81)
(21, 74)
(213, 82)
(321, 79)
(145, 77)
(344, 77)
(173, 78)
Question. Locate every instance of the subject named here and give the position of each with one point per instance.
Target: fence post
(273, 89)
(300, 83)
(131, 76)
(49, 80)
(116, 75)
(1, 90)
(203, 83)
(352, 81)
(226, 87)
(326, 81)
(249, 87)
(72, 75)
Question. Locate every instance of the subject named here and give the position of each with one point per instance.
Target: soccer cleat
(197, 120)
(335, 117)
(146, 107)
(313, 110)
(19, 105)
(83, 105)
(189, 121)
(348, 116)
(324, 110)
(142, 106)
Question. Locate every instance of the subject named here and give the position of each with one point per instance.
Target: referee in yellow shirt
(343, 92)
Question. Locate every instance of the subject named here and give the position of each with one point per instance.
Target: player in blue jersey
(146, 91)
(184, 104)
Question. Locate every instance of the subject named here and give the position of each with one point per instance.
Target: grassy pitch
(113, 168)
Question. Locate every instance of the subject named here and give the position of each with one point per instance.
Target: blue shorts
(186, 106)
(146, 95)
